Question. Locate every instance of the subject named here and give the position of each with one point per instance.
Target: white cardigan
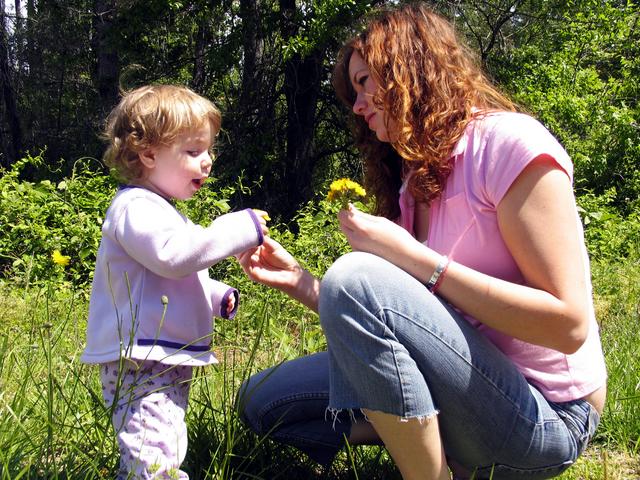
(152, 258)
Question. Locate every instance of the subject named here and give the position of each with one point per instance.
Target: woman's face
(365, 87)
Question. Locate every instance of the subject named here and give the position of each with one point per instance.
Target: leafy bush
(610, 236)
(585, 90)
(38, 218)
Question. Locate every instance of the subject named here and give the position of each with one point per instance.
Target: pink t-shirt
(463, 225)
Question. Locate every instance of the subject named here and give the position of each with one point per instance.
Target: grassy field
(53, 423)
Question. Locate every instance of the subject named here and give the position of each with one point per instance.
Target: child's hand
(263, 218)
(231, 304)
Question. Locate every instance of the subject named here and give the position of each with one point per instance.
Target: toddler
(152, 301)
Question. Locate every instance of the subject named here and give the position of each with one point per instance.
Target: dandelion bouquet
(345, 191)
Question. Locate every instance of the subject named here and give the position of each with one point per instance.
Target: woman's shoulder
(504, 143)
(516, 133)
(510, 124)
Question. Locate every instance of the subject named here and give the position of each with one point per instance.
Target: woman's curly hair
(430, 86)
(151, 116)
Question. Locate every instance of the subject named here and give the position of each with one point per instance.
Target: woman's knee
(350, 281)
(348, 275)
(347, 269)
(290, 392)
(251, 401)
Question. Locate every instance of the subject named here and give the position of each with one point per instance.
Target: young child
(152, 301)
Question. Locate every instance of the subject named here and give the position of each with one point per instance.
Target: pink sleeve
(512, 142)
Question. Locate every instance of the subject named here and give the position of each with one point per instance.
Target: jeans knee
(346, 274)
(249, 405)
(346, 283)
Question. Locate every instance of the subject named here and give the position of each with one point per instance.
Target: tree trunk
(252, 48)
(107, 69)
(301, 86)
(14, 147)
(199, 75)
(302, 76)
(32, 46)
(254, 124)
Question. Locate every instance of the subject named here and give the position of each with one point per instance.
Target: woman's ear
(148, 157)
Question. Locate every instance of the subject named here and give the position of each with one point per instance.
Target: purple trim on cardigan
(225, 302)
(150, 342)
(256, 223)
(126, 186)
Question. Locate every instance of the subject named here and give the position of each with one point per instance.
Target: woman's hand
(377, 235)
(272, 265)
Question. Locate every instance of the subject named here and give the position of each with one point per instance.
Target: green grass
(53, 423)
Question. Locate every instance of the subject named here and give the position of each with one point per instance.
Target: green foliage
(319, 240)
(322, 22)
(617, 294)
(207, 203)
(610, 236)
(37, 218)
(583, 85)
(574, 64)
(52, 417)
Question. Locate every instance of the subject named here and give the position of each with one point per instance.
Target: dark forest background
(574, 64)
(266, 64)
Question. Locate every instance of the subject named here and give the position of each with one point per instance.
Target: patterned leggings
(149, 400)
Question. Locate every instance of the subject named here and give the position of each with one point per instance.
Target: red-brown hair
(430, 85)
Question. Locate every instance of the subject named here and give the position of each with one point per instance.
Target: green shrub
(610, 236)
(38, 218)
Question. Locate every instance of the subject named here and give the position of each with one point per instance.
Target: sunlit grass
(53, 423)
(598, 463)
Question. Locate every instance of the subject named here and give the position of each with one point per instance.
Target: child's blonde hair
(150, 116)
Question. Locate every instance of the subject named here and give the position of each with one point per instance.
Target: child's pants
(148, 417)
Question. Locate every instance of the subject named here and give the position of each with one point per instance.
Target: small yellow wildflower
(262, 214)
(60, 259)
(345, 191)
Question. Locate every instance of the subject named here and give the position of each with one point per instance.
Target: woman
(460, 331)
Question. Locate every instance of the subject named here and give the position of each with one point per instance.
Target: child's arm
(155, 235)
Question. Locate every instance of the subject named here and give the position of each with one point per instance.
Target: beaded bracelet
(434, 282)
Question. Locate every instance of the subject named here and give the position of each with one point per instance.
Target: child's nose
(207, 161)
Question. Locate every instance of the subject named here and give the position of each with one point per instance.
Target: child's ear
(148, 158)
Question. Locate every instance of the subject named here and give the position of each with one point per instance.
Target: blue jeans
(396, 348)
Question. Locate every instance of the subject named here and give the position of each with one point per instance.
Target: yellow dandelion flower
(345, 191)
(262, 214)
(60, 259)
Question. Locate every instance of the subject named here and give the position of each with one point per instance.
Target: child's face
(179, 170)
